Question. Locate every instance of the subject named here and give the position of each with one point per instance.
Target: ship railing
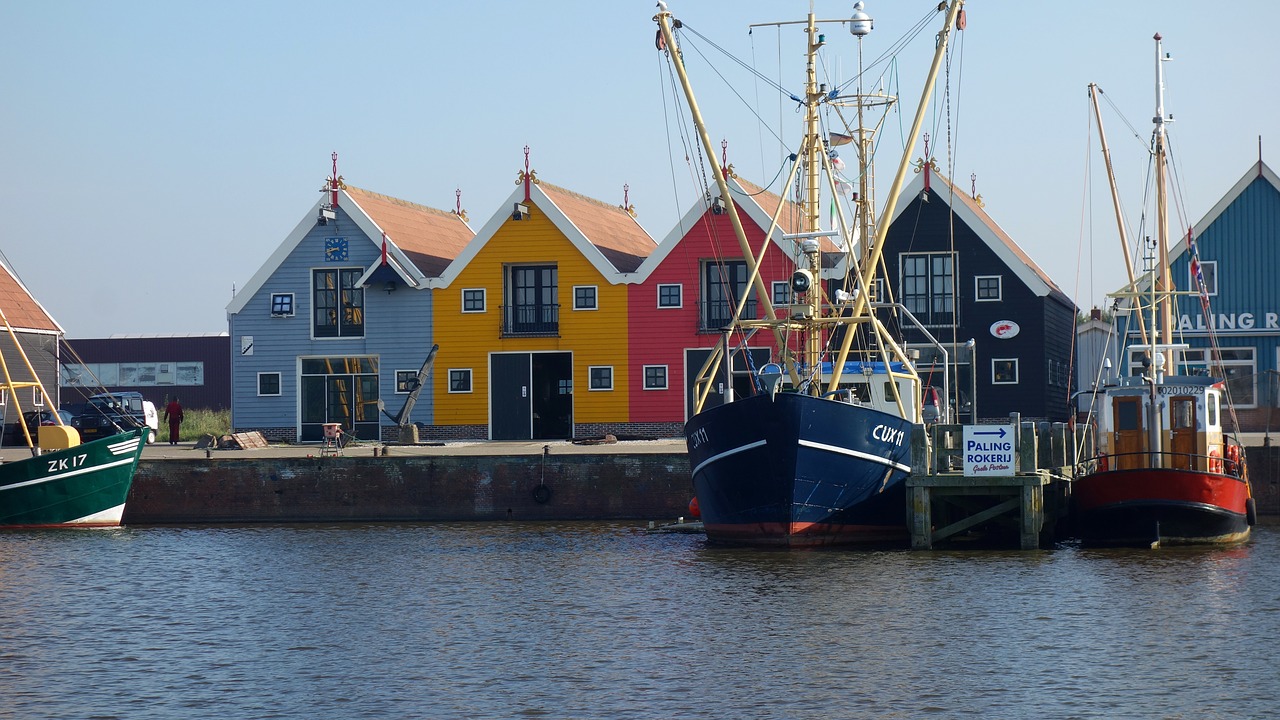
(1143, 459)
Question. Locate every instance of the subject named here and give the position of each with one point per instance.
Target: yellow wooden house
(531, 320)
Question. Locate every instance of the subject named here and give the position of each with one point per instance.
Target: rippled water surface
(597, 620)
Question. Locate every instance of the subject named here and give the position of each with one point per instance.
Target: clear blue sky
(154, 154)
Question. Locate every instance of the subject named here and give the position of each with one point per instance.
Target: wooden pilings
(943, 503)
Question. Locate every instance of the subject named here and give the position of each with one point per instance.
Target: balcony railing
(714, 315)
(530, 320)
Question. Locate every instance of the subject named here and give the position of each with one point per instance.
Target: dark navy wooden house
(963, 278)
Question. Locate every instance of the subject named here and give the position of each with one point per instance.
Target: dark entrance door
(743, 370)
(552, 396)
(510, 410)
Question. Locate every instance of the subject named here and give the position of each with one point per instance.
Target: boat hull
(800, 471)
(1142, 506)
(83, 486)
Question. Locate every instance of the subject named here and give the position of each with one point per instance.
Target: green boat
(81, 486)
(64, 483)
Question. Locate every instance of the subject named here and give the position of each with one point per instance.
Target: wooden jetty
(949, 497)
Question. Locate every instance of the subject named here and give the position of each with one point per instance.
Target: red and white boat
(1166, 470)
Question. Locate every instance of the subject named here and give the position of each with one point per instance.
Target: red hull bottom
(1150, 505)
(803, 535)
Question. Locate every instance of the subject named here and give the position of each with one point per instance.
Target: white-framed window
(459, 380)
(1209, 269)
(655, 377)
(268, 384)
(37, 397)
(1235, 365)
(670, 296)
(4, 396)
(406, 381)
(473, 300)
(780, 292)
(584, 297)
(988, 288)
(281, 304)
(600, 377)
(1004, 371)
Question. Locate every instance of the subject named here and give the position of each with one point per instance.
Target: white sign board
(988, 450)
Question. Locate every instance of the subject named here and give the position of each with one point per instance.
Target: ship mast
(1164, 284)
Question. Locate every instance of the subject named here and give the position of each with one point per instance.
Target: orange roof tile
(431, 238)
(22, 310)
(610, 228)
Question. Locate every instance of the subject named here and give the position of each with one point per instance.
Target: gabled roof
(430, 238)
(977, 219)
(421, 241)
(606, 235)
(22, 310)
(1257, 171)
(757, 204)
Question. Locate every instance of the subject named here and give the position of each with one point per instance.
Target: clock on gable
(335, 249)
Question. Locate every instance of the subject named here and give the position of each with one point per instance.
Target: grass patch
(197, 423)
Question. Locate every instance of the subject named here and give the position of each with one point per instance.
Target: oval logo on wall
(1004, 329)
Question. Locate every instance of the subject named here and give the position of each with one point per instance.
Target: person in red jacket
(173, 415)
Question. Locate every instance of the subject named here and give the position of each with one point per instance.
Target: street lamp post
(972, 346)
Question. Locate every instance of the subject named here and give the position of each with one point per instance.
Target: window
(268, 383)
(281, 304)
(339, 304)
(473, 300)
(988, 288)
(1237, 366)
(1004, 371)
(669, 296)
(928, 287)
(532, 301)
(460, 380)
(723, 284)
(406, 381)
(37, 397)
(1208, 269)
(655, 377)
(601, 377)
(780, 292)
(584, 297)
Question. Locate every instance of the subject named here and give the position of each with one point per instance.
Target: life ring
(542, 494)
(1233, 457)
(1215, 461)
(1102, 462)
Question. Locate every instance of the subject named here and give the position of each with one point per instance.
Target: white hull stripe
(725, 454)
(127, 446)
(68, 474)
(855, 453)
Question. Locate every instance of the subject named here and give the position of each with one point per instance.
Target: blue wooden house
(337, 323)
(1237, 244)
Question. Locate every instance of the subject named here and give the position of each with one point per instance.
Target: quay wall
(654, 486)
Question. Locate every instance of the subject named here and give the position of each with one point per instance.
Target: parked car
(111, 413)
(33, 420)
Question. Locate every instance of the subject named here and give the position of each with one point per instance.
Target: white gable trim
(557, 217)
(1227, 200)
(942, 189)
(274, 262)
(403, 266)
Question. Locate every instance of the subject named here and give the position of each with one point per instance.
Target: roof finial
(973, 180)
(459, 211)
(925, 165)
(724, 160)
(333, 183)
(626, 200)
(527, 176)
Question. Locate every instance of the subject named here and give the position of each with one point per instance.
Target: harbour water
(604, 620)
